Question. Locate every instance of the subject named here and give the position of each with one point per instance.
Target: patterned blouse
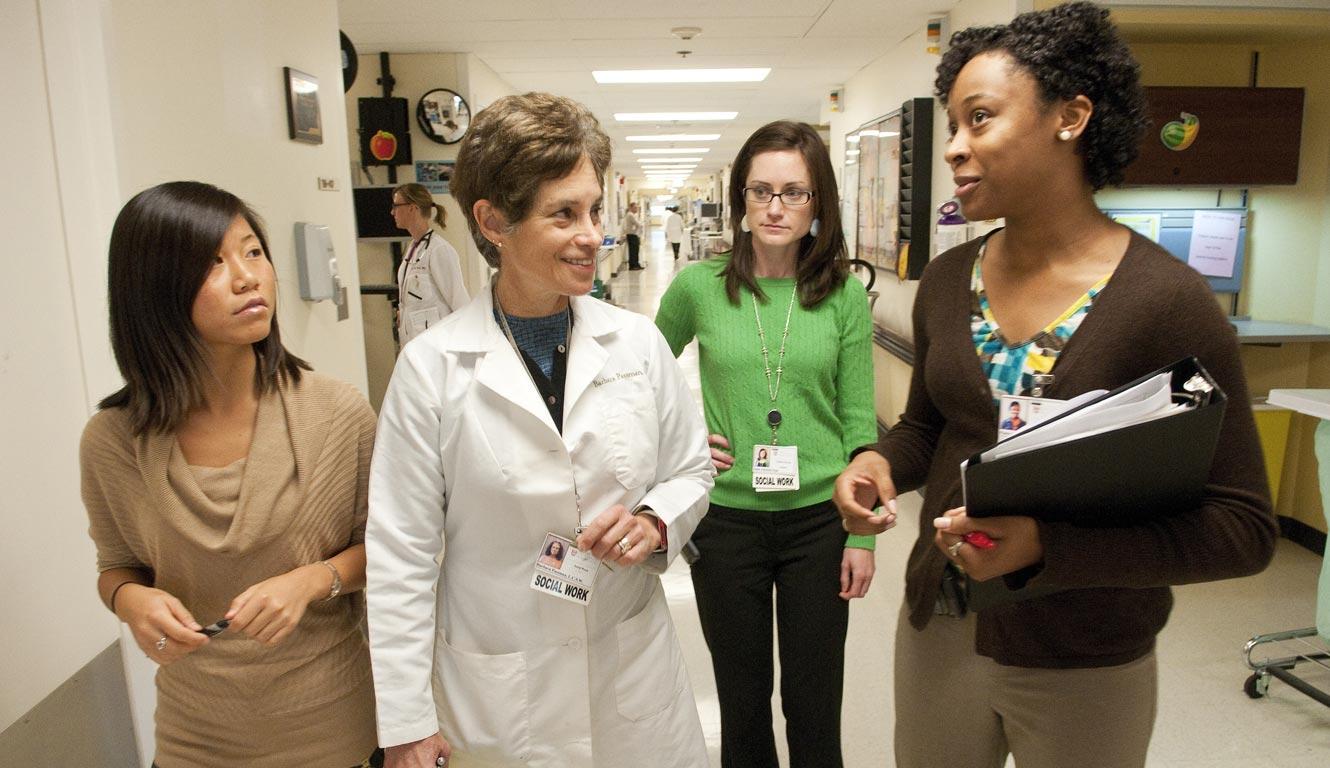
(1011, 368)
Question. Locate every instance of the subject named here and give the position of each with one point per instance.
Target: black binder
(1114, 478)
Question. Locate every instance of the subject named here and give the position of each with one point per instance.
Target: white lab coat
(430, 285)
(467, 454)
(674, 228)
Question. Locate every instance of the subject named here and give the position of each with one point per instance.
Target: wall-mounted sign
(1177, 135)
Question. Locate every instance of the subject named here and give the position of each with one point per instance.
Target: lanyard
(508, 333)
(774, 415)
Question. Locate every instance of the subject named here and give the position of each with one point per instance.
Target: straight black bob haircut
(1069, 50)
(164, 242)
(821, 266)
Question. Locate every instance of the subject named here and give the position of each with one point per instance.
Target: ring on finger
(624, 546)
(161, 643)
(954, 550)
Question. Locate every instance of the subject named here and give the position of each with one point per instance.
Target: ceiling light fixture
(666, 117)
(677, 137)
(672, 151)
(659, 76)
(644, 160)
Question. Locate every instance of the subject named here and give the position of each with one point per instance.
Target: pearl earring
(1064, 134)
(815, 228)
(743, 223)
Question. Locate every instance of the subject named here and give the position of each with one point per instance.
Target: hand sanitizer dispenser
(317, 263)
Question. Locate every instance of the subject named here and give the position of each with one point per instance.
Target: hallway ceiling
(553, 45)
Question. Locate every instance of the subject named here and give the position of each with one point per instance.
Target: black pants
(634, 247)
(745, 554)
(675, 246)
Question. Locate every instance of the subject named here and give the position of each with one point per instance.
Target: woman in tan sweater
(227, 483)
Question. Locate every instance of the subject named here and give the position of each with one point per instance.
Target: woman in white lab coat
(535, 412)
(674, 230)
(429, 278)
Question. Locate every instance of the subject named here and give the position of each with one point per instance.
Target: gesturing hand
(864, 484)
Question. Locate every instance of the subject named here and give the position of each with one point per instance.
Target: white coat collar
(475, 331)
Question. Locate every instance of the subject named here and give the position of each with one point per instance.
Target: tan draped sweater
(302, 498)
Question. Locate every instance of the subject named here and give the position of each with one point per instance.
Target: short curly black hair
(1070, 49)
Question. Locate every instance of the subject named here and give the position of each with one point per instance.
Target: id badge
(1016, 412)
(562, 570)
(775, 468)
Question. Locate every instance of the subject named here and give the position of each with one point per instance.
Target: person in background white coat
(533, 411)
(429, 279)
(674, 230)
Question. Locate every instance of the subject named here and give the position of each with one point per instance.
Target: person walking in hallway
(632, 231)
(784, 339)
(674, 229)
(1059, 669)
(228, 483)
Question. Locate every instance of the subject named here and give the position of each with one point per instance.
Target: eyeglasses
(762, 196)
(398, 205)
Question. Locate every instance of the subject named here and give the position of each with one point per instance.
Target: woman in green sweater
(784, 338)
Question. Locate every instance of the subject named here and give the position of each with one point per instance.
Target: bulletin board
(873, 161)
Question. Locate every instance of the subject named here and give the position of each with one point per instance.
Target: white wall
(907, 71)
(197, 93)
(53, 358)
(117, 95)
(414, 74)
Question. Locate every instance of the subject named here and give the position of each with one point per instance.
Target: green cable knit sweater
(826, 391)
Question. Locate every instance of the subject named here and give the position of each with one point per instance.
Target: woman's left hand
(857, 567)
(1016, 541)
(270, 610)
(616, 524)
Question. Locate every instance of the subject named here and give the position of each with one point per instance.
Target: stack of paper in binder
(1111, 459)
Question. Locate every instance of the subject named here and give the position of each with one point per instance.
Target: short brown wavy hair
(516, 144)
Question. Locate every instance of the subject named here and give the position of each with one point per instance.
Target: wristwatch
(661, 528)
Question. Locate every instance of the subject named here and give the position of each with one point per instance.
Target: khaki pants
(957, 708)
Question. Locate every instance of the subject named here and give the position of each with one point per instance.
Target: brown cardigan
(1115, 599)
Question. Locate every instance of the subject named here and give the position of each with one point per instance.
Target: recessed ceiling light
(852, 152)
(731, 75)
(671, 150)
(677, 137)
(642, 160)
(665, 117)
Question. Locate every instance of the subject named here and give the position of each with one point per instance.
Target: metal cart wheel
(1256, 685)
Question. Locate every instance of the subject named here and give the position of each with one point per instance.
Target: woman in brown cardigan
(227, 483)
(1043, 112)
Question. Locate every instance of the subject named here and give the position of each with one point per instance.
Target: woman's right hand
(418, 754)
(863, 485)
(152, 615)
(720, 459)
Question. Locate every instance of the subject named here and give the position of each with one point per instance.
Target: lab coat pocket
(648, 679)
(635, 437)
(484, 710)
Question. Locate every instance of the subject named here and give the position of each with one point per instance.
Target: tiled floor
(1204, 717)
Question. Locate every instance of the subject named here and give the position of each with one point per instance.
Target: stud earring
(1064, 134)
(743, 224)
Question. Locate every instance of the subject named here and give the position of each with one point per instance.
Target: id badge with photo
(1016, 412)
(562, 570)
(775, 468)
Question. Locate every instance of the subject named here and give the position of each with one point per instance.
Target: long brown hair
(821, 267)
(165, 240)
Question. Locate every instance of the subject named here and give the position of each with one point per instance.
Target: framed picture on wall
(302, 106)
(436, 175)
